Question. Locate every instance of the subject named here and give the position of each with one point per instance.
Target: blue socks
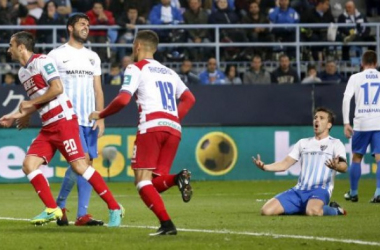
(84, 195)
(355, 173)
(84, 191)
(328, 211)
(66, 187)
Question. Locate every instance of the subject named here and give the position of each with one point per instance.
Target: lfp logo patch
(49, 68)
(127, 79)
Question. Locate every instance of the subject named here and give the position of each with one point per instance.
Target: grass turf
(221, 215)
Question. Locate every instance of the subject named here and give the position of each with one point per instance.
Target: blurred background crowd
(250, 64)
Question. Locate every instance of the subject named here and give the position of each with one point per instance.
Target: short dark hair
(282, 56)
(25, 38)
(331, 115)
(148, 36)
(310, 67)
(74, 19)
(369, 58)
(322, 1)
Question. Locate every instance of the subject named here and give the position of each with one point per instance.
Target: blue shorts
(361, 140)
(89, 140)
(294, 201)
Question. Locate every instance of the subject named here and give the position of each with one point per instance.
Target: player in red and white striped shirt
(60, 129)
(156, 89)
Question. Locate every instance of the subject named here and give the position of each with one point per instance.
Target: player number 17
(366, 87)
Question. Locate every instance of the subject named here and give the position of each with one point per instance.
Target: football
(216, 153)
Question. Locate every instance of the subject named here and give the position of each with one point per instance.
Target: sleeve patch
(49, 68)
(127, 79)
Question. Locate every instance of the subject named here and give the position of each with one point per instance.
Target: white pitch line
(289, 236)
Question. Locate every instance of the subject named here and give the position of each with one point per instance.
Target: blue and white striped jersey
(77, 68)
(313, 154)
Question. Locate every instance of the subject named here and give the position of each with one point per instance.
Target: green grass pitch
(221, 215)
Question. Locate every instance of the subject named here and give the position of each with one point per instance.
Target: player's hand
(6, 121)
(333, 163)
(99, 124)
(348, 131)
(258, 162)
(94, 116)
(23, 122)
(25, 106)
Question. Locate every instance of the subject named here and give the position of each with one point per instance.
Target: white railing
(298, 44)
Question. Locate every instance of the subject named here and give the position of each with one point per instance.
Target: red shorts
(155, 151)
(62, 135)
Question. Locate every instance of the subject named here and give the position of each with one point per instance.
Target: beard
(78, 38)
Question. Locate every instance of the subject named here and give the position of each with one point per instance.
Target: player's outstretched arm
(23, 122)
(8, 120)
(276, 166)
(338, 164)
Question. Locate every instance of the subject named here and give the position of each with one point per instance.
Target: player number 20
(167, 95)
(366, 87)
(70, 145)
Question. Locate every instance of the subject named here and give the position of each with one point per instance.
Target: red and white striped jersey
(35, 76)
(156, 89)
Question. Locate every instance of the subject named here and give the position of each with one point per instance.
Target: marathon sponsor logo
(160, 70)
(170, 124)
(79, 72)
(363, 111)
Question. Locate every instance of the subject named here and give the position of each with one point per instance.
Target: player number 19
(167, 95)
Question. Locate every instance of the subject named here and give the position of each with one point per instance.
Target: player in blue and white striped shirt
(321, 157)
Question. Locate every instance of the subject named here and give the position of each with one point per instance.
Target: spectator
(311, 76)
(63, 7)
(143, 7)
(257, 34)
(256, 74)
(8, 16)
(186, 74)
(330, 75)
(284, 74)
(284, 14)
(320, 14)
(196, 15)
(99, 16)
(9, 80)
(224, 15)
(356, 33)
(50, 16)
(115, 77)
(126, 34)
(232, 75)
(34, 7)
(212, 75)
(164, 13)
(26, 19)
(303, 5)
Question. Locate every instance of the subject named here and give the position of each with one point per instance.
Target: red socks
(152, 199)
(163, 182)
(100, 187)
(41, 185)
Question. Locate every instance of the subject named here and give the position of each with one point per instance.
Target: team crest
(323, 147)
(92, 61)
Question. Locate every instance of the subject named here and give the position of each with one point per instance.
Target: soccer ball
(216, 153)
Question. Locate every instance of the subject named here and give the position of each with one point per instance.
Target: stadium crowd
(322, 66)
